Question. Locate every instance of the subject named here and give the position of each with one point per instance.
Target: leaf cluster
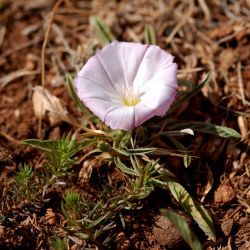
(59, 153)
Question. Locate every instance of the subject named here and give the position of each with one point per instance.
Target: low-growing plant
(24, 188)
(60, 244)
(130, 147)
(60, 153)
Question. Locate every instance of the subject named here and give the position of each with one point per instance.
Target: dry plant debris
(41, 41)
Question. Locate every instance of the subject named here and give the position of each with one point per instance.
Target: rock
(166, 233)
(224, 195)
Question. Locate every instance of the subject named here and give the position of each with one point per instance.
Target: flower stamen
(130, 98)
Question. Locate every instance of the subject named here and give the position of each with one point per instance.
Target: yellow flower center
(130, 99)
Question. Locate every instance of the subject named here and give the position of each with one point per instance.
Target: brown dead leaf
(242, 122)
(77, 240)
(85, 172)
(226, 58)
(52, 104)
(38, 105)
(38, 4)
(221, 31)
(226, 226)
(50, 216)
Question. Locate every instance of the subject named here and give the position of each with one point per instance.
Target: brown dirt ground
(205, 36)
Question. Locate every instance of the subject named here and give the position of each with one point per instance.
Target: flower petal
(154, 103)
(94, 72)
(159, 94)
(100, 107)
(88, 88)
(121, 118)
(132, 55)
(121, 61)
(154, 60)
(165, 76)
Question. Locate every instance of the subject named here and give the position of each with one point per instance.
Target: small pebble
(224, 195)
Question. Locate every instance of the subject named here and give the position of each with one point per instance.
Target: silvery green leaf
(210, 129)
(191, 206)
(181, 132)
(44, 145)
(187, 131)
(48, 145)
(134, 151)
(183, 228)
(72, 94)
(124, 168)
(150, 37)
(187, 160)
(103, 32)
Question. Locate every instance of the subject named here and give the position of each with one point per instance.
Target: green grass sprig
(24, 187)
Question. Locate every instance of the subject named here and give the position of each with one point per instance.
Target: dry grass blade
(2, 34)
(205, 9)
(38, 108)
(242, 123)
(241, 87)
(52, 14)
(16, 74)
(182, 22)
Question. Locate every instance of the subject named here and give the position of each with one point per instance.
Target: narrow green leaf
(103, 32)
(72, 94)
(185, 84)
(98, 221)
(43, 145)
(86, 143)
(187, 160)
(134, 151)
(191, 206)
(124, 168)
(182, 132)
(60, 244)
(122, 152)
(136, 164)
(186, 157)
(183, 228)
(188, 95)
(140, 151)
(150, 37)
(121, 138)
(209, 128)
(48, 145)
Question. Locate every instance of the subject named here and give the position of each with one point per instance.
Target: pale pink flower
(126, 84)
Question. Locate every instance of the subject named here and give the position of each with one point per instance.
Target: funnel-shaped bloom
(126, 84)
